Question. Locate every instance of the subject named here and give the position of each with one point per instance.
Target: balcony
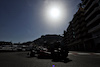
(83, 24)
(83, 28)
(78, 36)
(82, 20)
(76, 23)
(78, 31)
(81, 15)
(87, 4)
(96, 18)
(84, 34)
(93, 3)
(77, 27)
(95, 10)
(85, 1)
(75, 19)
(77, 41)
(94, 29)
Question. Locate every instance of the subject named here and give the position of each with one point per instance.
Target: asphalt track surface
(20, 59)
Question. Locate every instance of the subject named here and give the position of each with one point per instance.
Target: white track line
(83, 54)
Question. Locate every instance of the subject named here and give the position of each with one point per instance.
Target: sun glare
(54, 12)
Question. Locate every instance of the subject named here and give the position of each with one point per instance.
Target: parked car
(19, 49)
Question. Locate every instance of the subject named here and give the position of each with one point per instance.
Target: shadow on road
(65, 61)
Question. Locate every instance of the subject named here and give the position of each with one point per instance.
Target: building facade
(92, 18)
(83, 32)
(76, 32)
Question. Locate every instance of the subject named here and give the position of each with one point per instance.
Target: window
(73, 36)
(73, 32)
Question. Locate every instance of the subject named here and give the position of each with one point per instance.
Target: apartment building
(83, 32)
(92, 18)
(76, 32)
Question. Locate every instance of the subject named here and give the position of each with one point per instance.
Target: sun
(54, 13)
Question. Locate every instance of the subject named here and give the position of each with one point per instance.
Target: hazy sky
(22, 20)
